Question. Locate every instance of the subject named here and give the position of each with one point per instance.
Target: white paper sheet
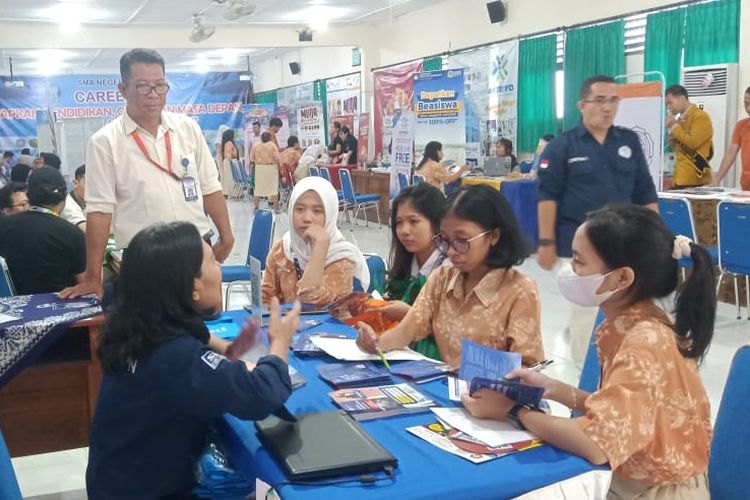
(5, 318)
(457, 387)
(490, 432)
(347, 350)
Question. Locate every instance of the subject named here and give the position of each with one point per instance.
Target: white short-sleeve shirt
(121, 181)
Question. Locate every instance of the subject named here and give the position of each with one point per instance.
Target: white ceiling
(179, 12)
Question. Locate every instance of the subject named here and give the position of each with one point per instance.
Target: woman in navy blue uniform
(165, 376)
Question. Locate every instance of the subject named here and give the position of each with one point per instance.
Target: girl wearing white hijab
(309, 159)
(313, 262)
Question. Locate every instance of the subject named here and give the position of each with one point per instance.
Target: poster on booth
(212, 99)
(404, 126)
(438, 104)
(292, 98)
(310, 123)
(393, 88)
(343, 95)
(491, 97)
(363, 139)
(642, 111)
(282, 113)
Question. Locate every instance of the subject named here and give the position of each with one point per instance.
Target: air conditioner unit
(714, 88)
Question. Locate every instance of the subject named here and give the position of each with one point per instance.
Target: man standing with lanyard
(147, 166)
(581, 170)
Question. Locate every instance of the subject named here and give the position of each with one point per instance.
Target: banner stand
(642, 111)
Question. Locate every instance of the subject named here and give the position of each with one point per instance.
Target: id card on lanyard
(189, 187)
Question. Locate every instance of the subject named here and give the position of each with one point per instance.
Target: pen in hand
(541, 365)
(384, 360)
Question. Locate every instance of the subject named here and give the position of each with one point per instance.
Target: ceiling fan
(201, 31)
(236, 9)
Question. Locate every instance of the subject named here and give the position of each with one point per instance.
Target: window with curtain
(269, 97)
(712, 33)
(665, 32)
(536, 90)
(433, 64)
(590, 51)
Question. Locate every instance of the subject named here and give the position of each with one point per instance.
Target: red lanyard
(142, 147)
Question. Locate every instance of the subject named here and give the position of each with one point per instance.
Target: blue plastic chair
(525, 167)
(9, 489)
(589, 380)
(418, 179)
(378, 269)
(734, 241)
(356, 201)
(261, 239)
(326, 174)
(677, 215)
(314, 172)
(730, 448)
(403, 181)
(6, 283)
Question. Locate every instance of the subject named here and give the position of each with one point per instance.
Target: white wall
(315, 63)
(454, 24)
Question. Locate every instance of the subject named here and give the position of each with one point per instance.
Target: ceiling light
(237, 9)
(201, 31)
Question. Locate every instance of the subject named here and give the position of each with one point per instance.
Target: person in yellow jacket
(691, 138)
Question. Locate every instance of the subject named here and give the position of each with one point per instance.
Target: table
(523, 198)
(423, 470)
(333, 169)
(369, 182)
(47, 403)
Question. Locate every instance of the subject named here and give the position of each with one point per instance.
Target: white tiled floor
(61, 475)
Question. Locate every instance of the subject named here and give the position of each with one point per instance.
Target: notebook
(321, 445)
(345, 375)
(366, 403)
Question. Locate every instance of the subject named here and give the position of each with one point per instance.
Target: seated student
(504, 149)
(13, 199)
(44, 252)
(75, 206)
(434, 173)
(165, 376)
(481, 298)
(650, 418)
(313, 262)
(415, 220)
(290, 159)
(308, 159)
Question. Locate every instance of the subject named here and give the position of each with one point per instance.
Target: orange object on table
(376, 320)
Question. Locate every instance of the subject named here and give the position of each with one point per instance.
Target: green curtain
(321, 94)
(269, 97)
(665, 32)
(432, 64)
(536, 90)
(590, 51)
(712, 33)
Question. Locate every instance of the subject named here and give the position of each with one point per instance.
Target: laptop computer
(321, 445)
(497, 167)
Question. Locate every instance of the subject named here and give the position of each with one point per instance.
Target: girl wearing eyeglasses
(481, 298)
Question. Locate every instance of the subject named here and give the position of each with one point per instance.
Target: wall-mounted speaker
(497, 11)
(294, 68)
(305, 35)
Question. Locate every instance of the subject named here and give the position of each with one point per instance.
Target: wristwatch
(544, 242)
(513, 418)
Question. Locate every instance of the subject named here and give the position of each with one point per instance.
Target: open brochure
(384, 401)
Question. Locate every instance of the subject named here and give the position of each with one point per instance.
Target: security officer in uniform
(584, 169)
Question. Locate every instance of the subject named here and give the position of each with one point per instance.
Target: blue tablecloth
(423, 471)
(523, 198)
(43, 318)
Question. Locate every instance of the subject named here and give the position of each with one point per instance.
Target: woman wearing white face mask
(650, 418)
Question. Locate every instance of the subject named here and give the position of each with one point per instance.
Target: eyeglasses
(460, 245)
(145, 88)
(601, 101)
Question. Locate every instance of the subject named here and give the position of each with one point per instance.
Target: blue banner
(439, 106)
(212, 99)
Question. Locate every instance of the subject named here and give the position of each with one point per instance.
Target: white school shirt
(121, 181)
(436, 259)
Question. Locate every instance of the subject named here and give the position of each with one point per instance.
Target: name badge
(577, 159)
(189, 189)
